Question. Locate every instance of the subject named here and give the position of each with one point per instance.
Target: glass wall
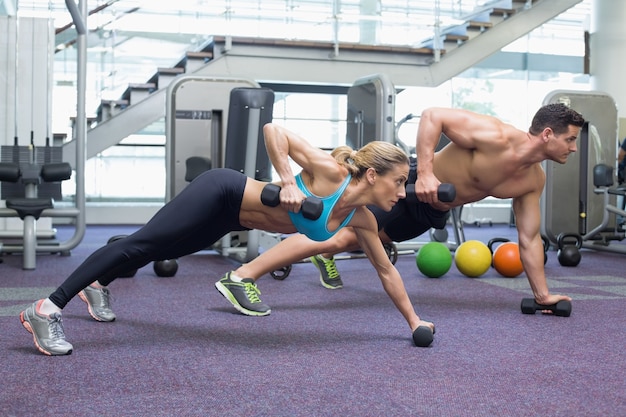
(129, 39)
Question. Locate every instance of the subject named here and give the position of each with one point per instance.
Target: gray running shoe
(244, 296)
(98, 303)
(47, 331)
(329, 276)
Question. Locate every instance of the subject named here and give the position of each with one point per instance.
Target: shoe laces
(252, 292)
(331, 268)
(55, 327)
(105, 299)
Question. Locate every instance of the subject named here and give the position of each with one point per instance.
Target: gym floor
(178, 348)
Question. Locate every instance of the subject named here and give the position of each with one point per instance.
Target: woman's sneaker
(244, 296)
(47, 331)
(329, 276)
(98, 303)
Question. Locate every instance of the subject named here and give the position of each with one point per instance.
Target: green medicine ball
(434, 259)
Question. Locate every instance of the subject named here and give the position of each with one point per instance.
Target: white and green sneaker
(244, 296)
(329, 276)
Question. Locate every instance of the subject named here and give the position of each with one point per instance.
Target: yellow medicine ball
(472, 258)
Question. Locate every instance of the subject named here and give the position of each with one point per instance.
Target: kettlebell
(546, 247)
(569, 249)
(492, 243)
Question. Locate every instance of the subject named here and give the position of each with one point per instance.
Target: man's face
(563, 144)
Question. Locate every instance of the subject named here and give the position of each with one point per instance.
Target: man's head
(557, 117)
(558, 127)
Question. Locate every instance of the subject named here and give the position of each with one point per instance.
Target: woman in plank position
(222, 200)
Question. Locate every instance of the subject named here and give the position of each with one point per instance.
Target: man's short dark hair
(556, 116)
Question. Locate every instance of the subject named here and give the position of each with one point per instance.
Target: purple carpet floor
(178, 348)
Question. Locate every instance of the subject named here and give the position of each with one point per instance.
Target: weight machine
(571, 202)
(29, 173)
(217, 122)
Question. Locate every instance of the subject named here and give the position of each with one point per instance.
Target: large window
(129, 39)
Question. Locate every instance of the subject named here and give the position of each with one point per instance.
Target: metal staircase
(457, 47)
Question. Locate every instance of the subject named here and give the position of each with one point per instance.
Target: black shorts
(408, 221)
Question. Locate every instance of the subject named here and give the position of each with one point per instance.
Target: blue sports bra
(318, 229)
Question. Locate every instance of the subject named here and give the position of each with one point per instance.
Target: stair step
(164, 76)
(109, 108)
(482, 26)
(138, 91)
(503, 12)
(194, 60)
(457, 38)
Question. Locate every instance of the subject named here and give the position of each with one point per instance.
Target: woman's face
(388, 188)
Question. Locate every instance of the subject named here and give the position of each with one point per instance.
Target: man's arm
(528, 220)
(466, 129)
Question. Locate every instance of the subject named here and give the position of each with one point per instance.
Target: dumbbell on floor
(312, 207)
(562, 308)
(166, 268)
(445, 193)
(423, 336)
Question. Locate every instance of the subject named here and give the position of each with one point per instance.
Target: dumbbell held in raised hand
(445, 193)
(312, 207)
(563, 308)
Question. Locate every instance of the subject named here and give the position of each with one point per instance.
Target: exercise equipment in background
(608, 230)
(576, 197)
(569, 245)
(228, 116)
(546, 248)
(32, 192)
(30, 185)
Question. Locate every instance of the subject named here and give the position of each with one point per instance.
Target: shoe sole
(329, 286)
(324, 283)
(229, 296)
(90, 310)
(29, 328)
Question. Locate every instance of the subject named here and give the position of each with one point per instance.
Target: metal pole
(81, 119)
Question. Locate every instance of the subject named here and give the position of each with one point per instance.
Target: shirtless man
(486, 157)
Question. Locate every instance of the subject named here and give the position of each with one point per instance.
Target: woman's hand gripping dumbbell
(312, 207)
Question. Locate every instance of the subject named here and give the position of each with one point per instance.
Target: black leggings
(206, 210)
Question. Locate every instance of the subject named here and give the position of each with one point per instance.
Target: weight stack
(249, 110)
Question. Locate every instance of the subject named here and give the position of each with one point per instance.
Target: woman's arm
(282, 144)
(387, 272)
